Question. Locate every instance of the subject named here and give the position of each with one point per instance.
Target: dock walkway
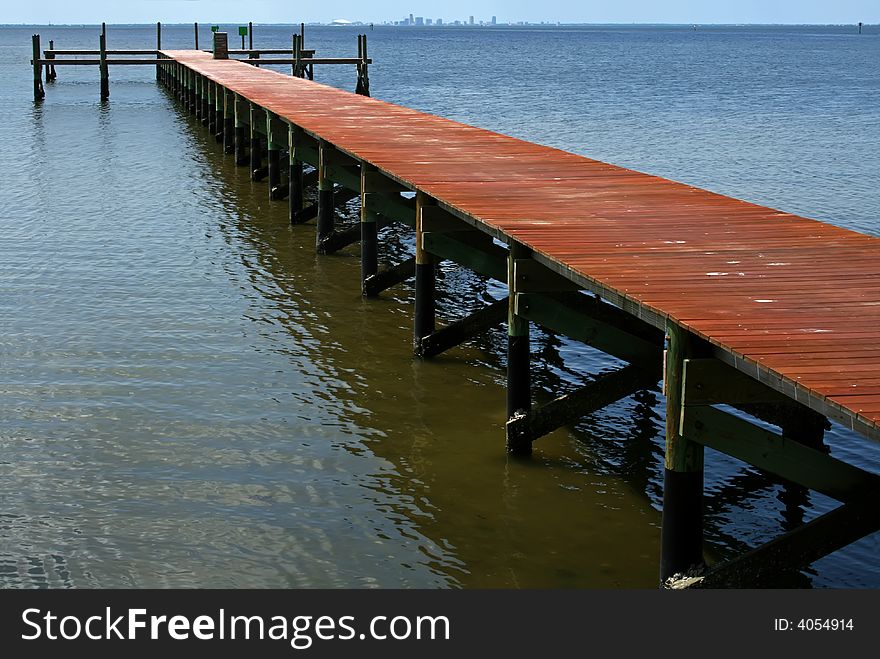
(759, 308)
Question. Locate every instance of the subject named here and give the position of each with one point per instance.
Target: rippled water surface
(190, 397)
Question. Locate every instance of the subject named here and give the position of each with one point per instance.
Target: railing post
(681, 534)
(39, 92)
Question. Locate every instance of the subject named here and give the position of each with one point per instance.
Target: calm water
(190, 397)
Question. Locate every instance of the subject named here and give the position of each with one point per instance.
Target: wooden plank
(385, 279)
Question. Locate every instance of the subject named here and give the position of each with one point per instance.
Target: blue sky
(288, 11)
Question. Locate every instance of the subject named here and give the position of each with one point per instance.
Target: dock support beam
(39, 93)
(681, 535)
(519, 385)
(326, 209)
(426, 273)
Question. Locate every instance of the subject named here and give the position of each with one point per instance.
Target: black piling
(424, 321)
(256, 157)
(50, 69)
(681, 533)
(39, 92)
(326, 205)
(196, 31)
(519, 381)
(105, 70)
(273, 162)
(860, 27)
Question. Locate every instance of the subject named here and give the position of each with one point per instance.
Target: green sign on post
(242, 31)
(215, 28)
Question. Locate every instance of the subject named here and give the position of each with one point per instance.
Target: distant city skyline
(449, 11)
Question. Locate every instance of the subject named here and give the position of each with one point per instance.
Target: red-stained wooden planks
(798, 297)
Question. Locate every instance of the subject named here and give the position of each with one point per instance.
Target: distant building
(439, 21)
(456, 22)
(420, 21)
(494, 21)
(411, 20)
(428, 21)
(471, 21)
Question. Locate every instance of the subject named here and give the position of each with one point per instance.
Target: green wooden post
(39, 92)
(105, 70)
(681, 536)
(519, 383)
(295, 180)
(426, 272)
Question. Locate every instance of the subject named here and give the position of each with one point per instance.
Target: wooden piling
(369, 226)
(105, 70)
(51, 74)
(256, 145)
(273, 157)
(196, 30)
(424, 321)
(295, 177)
(519, 387)
(160, 71)
(250, 35)
(228, 122)
(363, 76)
(39, 92)
(681, 535)
(326, 204)
(241, 137)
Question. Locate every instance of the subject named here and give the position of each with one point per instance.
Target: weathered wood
(392, 276)
(605, 390)
(462, 330)
(342, 238)
(796, 549)
(776, 454)
(594, 322)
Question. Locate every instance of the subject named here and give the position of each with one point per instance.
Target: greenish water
(189, 396)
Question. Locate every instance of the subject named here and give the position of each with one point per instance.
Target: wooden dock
(729, 302)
